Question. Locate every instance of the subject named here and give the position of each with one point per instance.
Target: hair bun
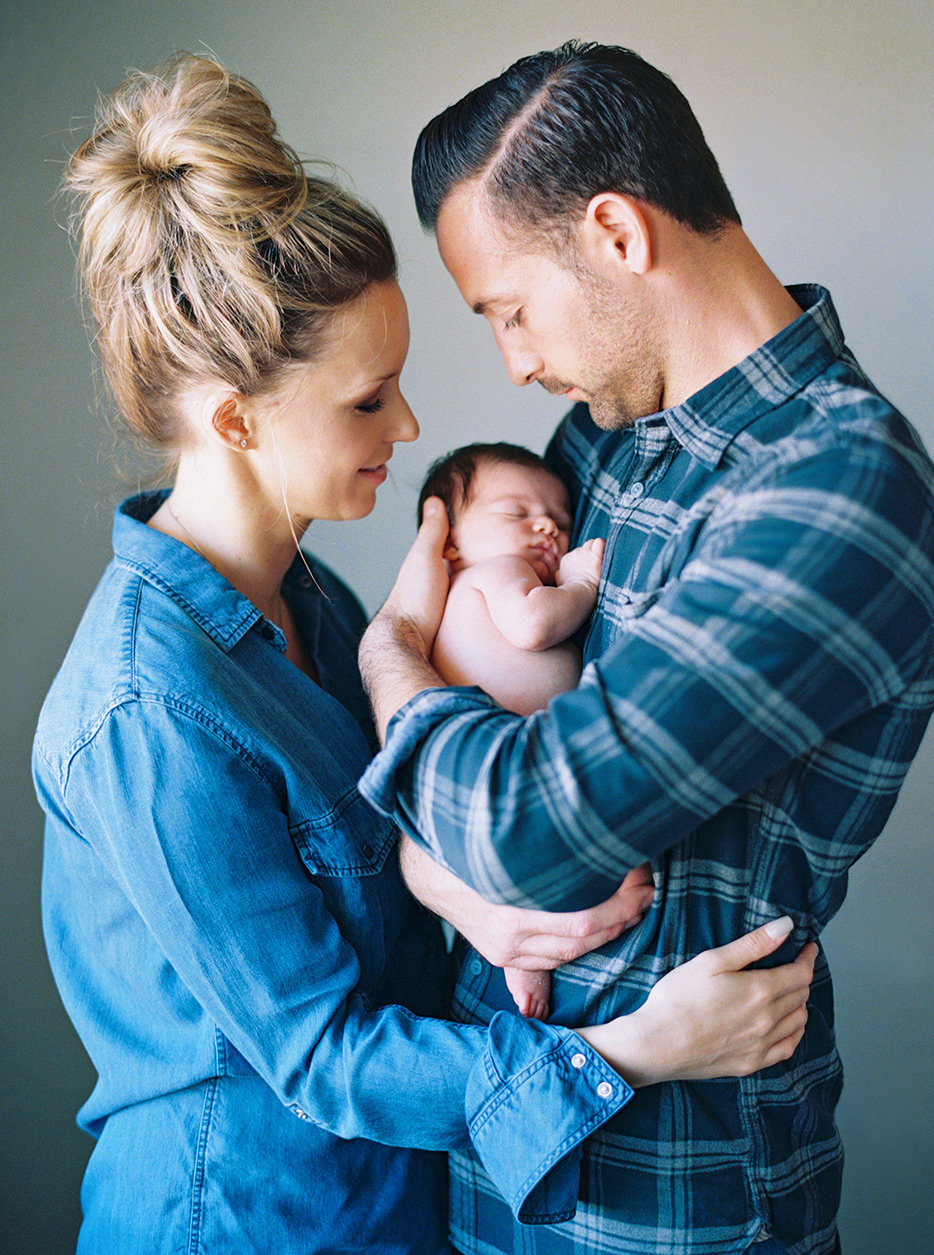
(205, 249)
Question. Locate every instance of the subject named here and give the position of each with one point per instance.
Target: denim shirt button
(604, 1090)
(368, 851)
(635, 490)
(476, 965)
(578, 1060)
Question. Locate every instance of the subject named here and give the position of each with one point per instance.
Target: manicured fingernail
(780, 927)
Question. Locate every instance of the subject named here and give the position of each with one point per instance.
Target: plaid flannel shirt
(758, 676)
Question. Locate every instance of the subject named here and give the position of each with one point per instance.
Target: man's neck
(723, 303)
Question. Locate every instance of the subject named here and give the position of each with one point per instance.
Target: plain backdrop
(820, 115)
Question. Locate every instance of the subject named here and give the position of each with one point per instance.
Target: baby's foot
(531, 992)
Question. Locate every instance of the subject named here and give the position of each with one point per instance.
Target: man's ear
(616, 231)
(229, 421)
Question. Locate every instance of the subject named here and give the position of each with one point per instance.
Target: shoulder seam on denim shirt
(195, 714)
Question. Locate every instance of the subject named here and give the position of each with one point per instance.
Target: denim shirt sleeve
(228, 902)
(805, 602)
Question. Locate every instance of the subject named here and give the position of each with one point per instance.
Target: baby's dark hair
(451, 476)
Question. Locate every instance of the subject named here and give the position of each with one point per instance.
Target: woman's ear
(616, 231)
(229, 421)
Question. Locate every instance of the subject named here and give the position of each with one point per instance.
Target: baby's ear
(451, 551)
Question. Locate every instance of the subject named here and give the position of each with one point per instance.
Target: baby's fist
(582, 564)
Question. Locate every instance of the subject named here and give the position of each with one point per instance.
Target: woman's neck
(247, 538)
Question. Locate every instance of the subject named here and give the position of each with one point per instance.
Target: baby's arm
(532, 615)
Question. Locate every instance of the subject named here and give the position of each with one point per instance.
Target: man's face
(579, 334)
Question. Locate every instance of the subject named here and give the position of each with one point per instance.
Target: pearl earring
(243, 443)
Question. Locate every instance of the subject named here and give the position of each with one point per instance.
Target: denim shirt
(221, 904)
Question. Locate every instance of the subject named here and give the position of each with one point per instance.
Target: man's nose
(522, 365)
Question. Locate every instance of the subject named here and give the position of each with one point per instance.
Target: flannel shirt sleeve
(804, 601)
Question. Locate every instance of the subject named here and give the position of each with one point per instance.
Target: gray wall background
(820, 114)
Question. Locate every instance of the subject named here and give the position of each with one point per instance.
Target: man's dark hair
(557, 128)
(450, 476)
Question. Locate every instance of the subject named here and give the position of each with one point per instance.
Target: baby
(516, 595)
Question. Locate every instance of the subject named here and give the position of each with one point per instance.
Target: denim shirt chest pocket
(349, 850)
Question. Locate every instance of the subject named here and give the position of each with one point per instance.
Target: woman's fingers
(759, 943)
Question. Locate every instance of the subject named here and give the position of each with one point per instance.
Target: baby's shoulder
(500, 570)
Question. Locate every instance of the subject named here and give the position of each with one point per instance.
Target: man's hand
(509, 936)
(396, 647)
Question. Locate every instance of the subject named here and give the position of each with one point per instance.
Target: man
(760, 661)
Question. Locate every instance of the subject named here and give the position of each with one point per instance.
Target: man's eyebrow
(482, 306)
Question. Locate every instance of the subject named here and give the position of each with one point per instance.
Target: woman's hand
(709, 1018)
(508, 936)
(396, 647)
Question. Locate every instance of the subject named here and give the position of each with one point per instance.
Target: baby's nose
(546, 524)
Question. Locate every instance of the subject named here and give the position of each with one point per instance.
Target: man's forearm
(394, 666)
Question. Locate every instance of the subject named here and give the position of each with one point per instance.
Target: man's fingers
(550, 950)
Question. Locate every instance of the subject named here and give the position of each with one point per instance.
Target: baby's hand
(582, 565)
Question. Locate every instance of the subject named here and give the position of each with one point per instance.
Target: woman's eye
(513, 321)
(370, 407)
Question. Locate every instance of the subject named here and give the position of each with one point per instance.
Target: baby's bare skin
(471, 648)
(517, 594)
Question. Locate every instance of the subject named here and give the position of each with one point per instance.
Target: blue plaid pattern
(759, 673)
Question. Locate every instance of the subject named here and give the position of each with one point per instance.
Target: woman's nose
(405, 426)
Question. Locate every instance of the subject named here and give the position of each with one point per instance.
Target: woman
(223, 912)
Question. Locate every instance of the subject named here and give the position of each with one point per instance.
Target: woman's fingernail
(779, 927)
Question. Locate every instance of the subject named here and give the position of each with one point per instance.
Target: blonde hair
(206, 251)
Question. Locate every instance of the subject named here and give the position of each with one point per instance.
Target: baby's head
(502, 500)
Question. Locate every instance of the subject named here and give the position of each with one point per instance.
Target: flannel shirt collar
(707, 422)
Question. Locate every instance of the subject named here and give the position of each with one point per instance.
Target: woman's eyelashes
(370, 407)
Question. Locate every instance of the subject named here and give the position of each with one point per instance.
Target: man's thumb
(434, 518)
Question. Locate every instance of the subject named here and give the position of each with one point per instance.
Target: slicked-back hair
(451, 476)
(557, 128)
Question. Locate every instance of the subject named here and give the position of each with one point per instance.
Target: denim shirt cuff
(537, 1093)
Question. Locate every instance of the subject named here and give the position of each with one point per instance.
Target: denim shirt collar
(189, 579)
(709, 420)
